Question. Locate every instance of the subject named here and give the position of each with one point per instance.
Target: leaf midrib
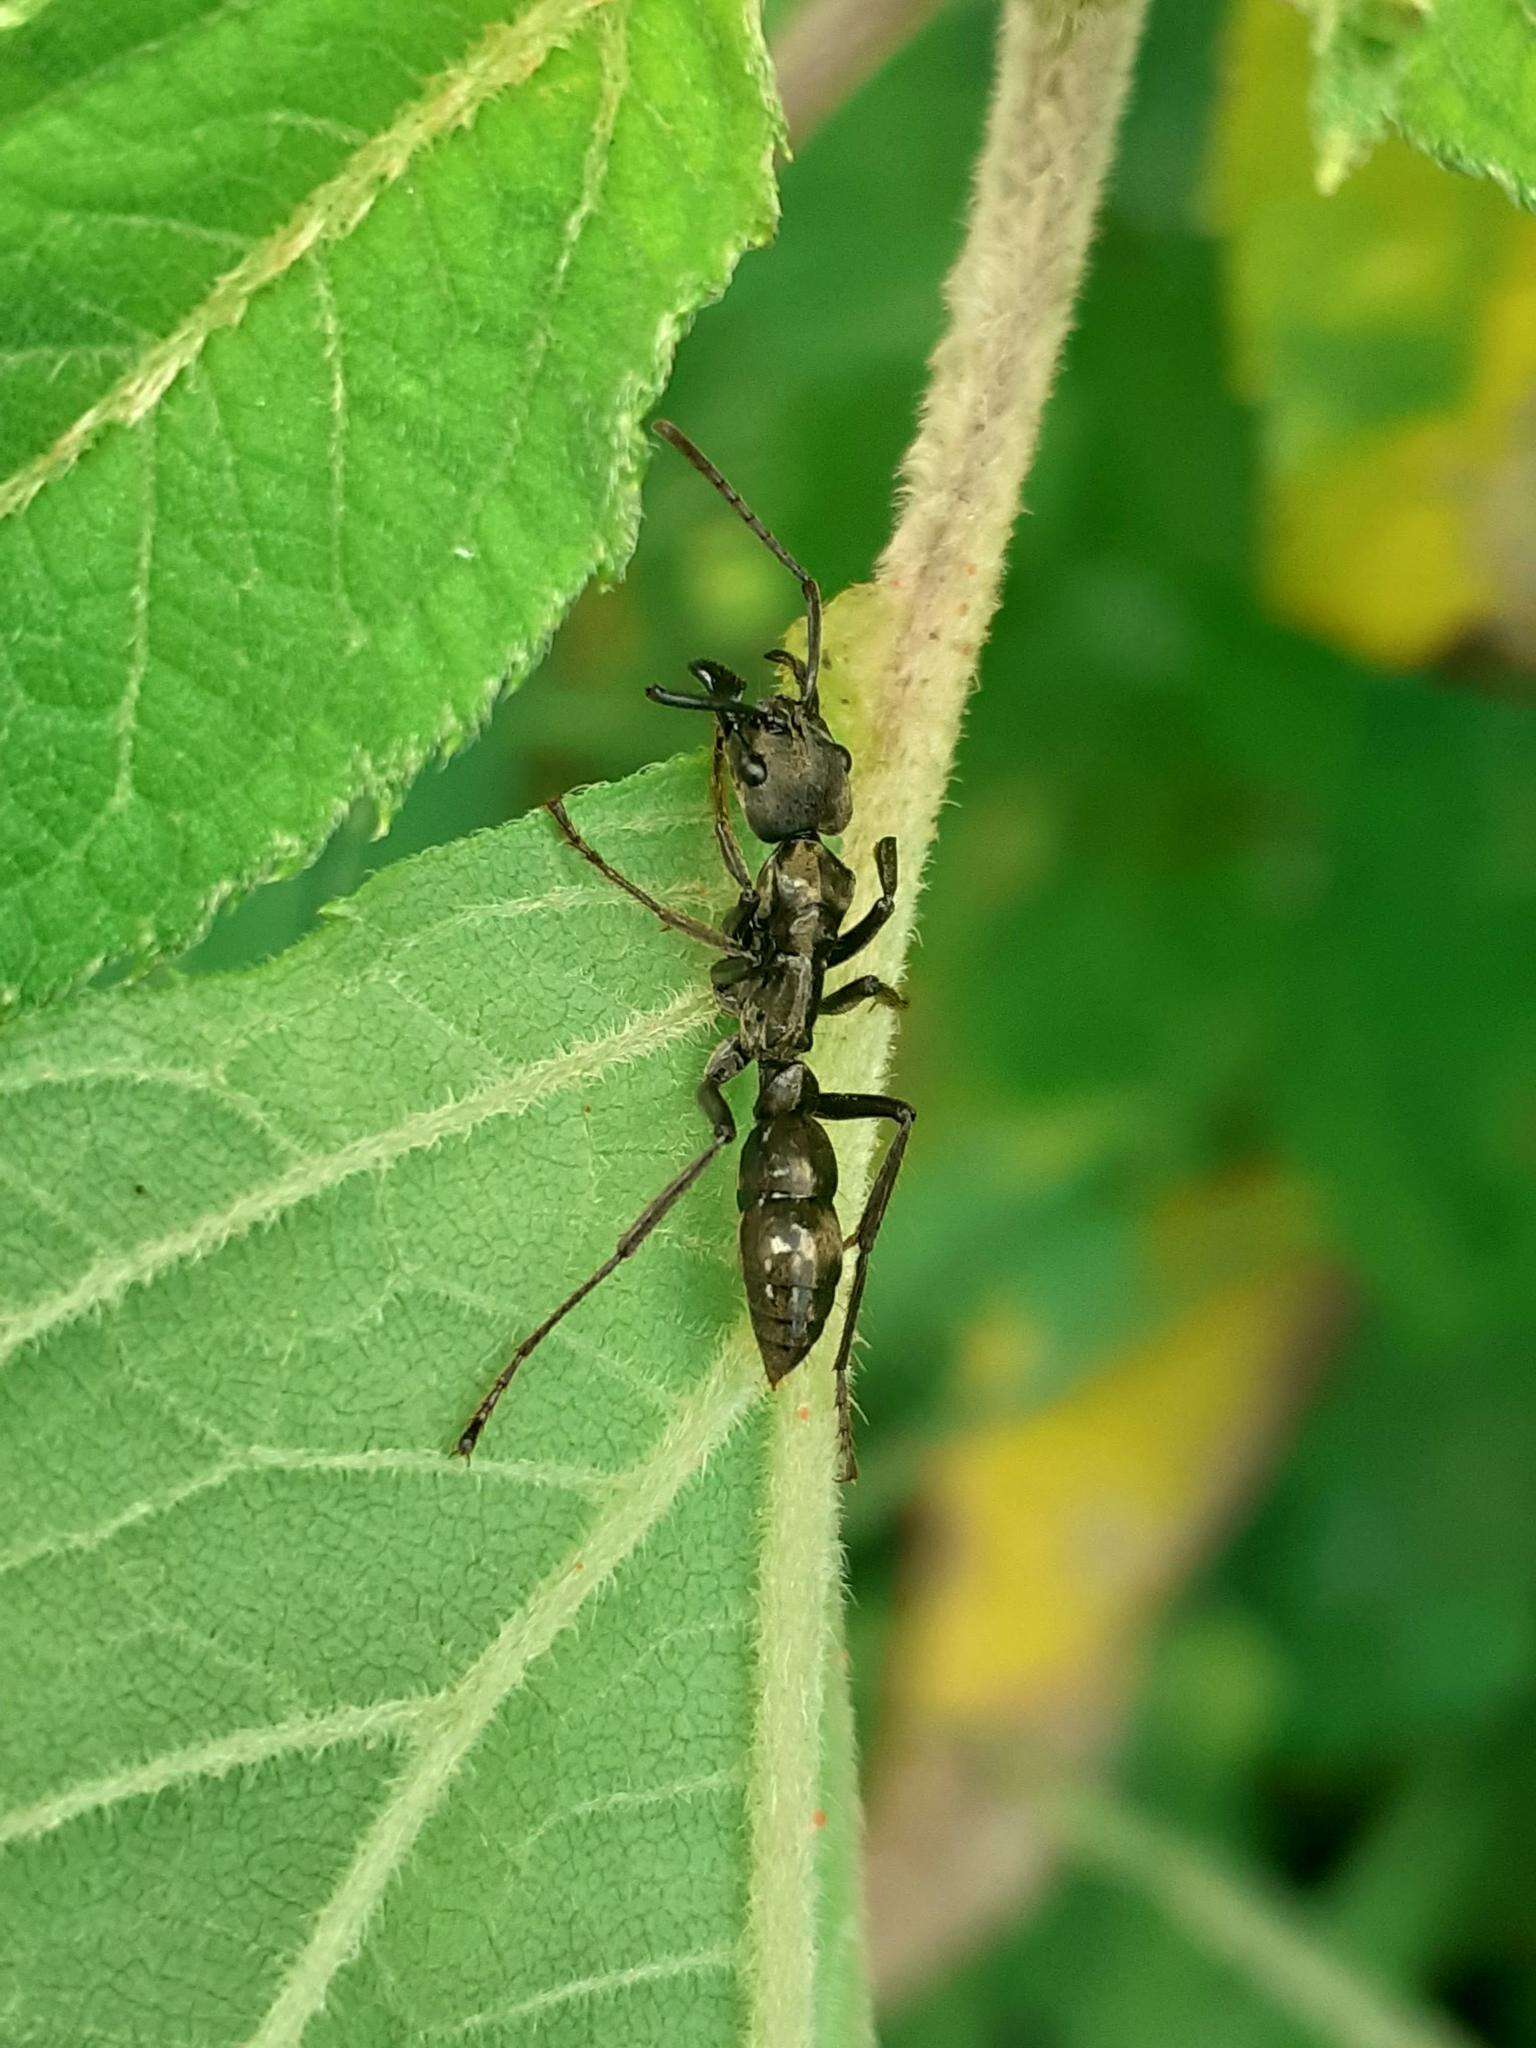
(506, 54)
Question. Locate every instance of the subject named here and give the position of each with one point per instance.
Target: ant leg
(869, 988)
(725, 1062)
(858, 936)
(850, 1108)
(679, 920)
(782, 658)
(725, 836)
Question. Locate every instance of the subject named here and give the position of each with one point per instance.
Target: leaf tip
(1338, 153)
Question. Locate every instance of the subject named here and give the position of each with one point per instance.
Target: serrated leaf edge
(379, 777)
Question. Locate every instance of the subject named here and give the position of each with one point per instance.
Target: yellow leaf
(1053, 1537)
(1387, 333)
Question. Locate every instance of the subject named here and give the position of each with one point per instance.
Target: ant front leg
(848, 1109)
(725, 1062)
(725, 835)
(878, 915)
(869, 988)
(676, 920)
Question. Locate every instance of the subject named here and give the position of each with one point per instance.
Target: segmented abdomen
(792, 1254)
(791, 1241)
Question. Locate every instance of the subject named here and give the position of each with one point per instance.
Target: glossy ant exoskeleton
(791, 777)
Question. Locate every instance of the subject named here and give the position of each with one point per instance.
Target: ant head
(789, 772)
(791, 775)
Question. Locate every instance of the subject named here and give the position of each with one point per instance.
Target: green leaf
(1384, 334)
(1456, 77)
(1406, 1002)
(312, 1731)
(323, 343)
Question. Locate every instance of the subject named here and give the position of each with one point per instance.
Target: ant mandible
(777, 945)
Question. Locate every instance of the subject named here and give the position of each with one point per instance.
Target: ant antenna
(675, 438)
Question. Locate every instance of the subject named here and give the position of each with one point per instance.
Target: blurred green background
(1199, 1445)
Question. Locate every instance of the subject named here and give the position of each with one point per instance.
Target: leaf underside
(312, 1732)
(324, 336)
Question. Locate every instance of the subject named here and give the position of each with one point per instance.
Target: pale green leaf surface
(324, 335)
(1456, 77)
(843, 2010)
(311, 1732)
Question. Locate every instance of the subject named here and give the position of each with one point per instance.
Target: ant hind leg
(725, 1062)
(846, 1109)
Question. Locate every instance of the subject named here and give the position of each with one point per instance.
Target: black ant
(777, 944)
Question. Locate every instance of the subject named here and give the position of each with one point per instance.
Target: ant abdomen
(791, 1240)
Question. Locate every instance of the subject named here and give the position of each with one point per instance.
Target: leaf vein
(605, 1985)
(125, 721)
(265, 1458)
(613, 78)
(241, 1749)
(336, 447)
(507, 54)
(462, 1714)
(108, 1279)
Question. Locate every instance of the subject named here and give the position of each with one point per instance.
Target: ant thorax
(787, 922)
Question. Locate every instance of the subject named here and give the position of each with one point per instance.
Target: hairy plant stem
(908, 652)
(1063, 76)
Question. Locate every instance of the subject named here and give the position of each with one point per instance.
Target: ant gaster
(792, 780)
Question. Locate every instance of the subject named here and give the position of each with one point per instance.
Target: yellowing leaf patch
(1388, 334)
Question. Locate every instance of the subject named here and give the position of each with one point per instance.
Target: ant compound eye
(754, 770)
